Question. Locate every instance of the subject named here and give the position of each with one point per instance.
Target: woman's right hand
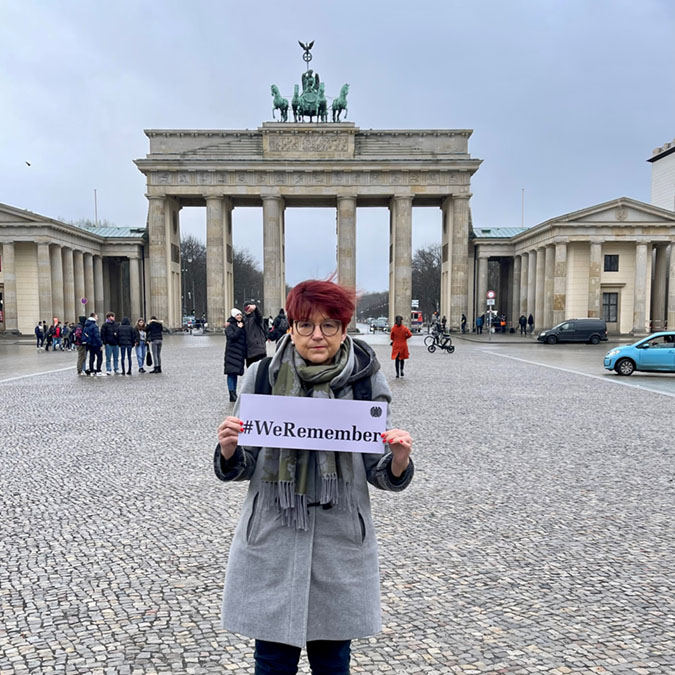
(228, 436)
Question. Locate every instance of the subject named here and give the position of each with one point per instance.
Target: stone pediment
(621, 211)
(9, 214)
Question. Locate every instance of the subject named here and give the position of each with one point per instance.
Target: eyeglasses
(328, 327)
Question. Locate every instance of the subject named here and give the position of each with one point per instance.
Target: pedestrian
(479, 325)
(303, 566)
(154, 337)
(78, 334)
(399, 337)
(256, 337)
(235, 351)
(65, 335)
(279, 326)
(530, 323)
(522, 322)
(39, 336)
(91, 337)
(56, 337)
(110, 338)
(502, 323)
(50, 337)
(444, 323)
(463, 323)
(126, 337)
(141, 344)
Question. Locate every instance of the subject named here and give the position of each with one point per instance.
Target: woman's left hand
(400, 444)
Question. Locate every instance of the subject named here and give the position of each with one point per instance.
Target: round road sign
(491, 294)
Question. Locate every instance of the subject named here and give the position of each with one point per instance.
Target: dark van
(575, 330)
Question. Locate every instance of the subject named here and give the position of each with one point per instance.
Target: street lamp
(193, 283)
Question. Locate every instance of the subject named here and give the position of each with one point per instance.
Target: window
(610, 305)
(611, 263)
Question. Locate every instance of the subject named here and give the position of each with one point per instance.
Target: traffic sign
(490, 302)
(415, 304)
(491, 294)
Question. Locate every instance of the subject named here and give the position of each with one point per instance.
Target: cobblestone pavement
(537, 535)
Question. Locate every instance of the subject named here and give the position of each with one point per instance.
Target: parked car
(653, 353)
(575, 330)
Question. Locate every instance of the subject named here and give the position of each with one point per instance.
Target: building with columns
(48, 267)
(294, 165)
(614, 260)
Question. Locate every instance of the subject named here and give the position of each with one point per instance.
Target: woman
(399, 337)
(235, 351)
(298, 575)
(154, 335)
(126, 338)
(141, 344)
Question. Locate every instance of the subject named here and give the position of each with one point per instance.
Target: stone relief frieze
(256, 178)
(308, 143)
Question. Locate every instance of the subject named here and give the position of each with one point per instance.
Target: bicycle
(439, 340)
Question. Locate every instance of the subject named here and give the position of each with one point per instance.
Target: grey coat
(295, 586)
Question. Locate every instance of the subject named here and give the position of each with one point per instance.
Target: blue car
(654, 353)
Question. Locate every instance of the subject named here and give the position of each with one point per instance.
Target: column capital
(462, 195)
(402, 198)
(151, 198)
(275, 197)
(346, 197)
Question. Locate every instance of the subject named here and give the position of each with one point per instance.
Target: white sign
(312, 423)
(490, 302)
(415, 304)
(491, 294)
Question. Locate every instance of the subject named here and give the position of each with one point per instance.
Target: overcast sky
(566, 98)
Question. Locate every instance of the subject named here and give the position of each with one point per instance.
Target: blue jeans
(326, 657)
(232, 382)
(140, 355)
(114, 352)
(56, 342)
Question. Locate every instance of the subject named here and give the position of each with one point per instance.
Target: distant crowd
(115, 340)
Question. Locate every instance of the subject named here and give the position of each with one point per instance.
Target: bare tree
(193, 266)
(248, 280)
(426, 278)
(372, 305)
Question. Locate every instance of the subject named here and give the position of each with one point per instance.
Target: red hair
(336, 301)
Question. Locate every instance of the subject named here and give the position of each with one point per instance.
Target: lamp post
(192, 275)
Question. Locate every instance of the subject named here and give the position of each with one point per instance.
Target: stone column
(228, 259)
(400, 291)
(560, 283)
(69, 306)
(460, 252)
(524, 273)
(78, 273)
(11, 308)
(481, 294)
(671, 290)
(99, 300)
(515, 302)
(45, 282)
(640, 298)
(273, 288)
(159, 257)
(658, 308)
(539, 290)
(531, 282)
(549, 275)
(89, 282)
(346, 246)
(56, 263)
(215, 263)
(446, 257)
(594, 272)
(135, 288)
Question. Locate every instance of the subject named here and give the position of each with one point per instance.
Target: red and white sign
(491, 294)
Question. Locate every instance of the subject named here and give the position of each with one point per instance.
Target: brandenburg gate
(298, 164)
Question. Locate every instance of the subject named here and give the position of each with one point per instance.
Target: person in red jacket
(399, 343)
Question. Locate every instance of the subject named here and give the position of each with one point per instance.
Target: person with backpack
(154, 334)
(235, 351)
(91, 338)
(256, 335)
(50, 337)
(126, 337)
(522, 322)
(279, 326)
(81, 348)
(303, 565)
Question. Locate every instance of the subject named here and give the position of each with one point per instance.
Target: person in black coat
(126, 336)
(154, 331)
(235, 351)
(256, 338)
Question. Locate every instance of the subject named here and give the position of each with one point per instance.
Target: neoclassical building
(48, 268)
(613, 260)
